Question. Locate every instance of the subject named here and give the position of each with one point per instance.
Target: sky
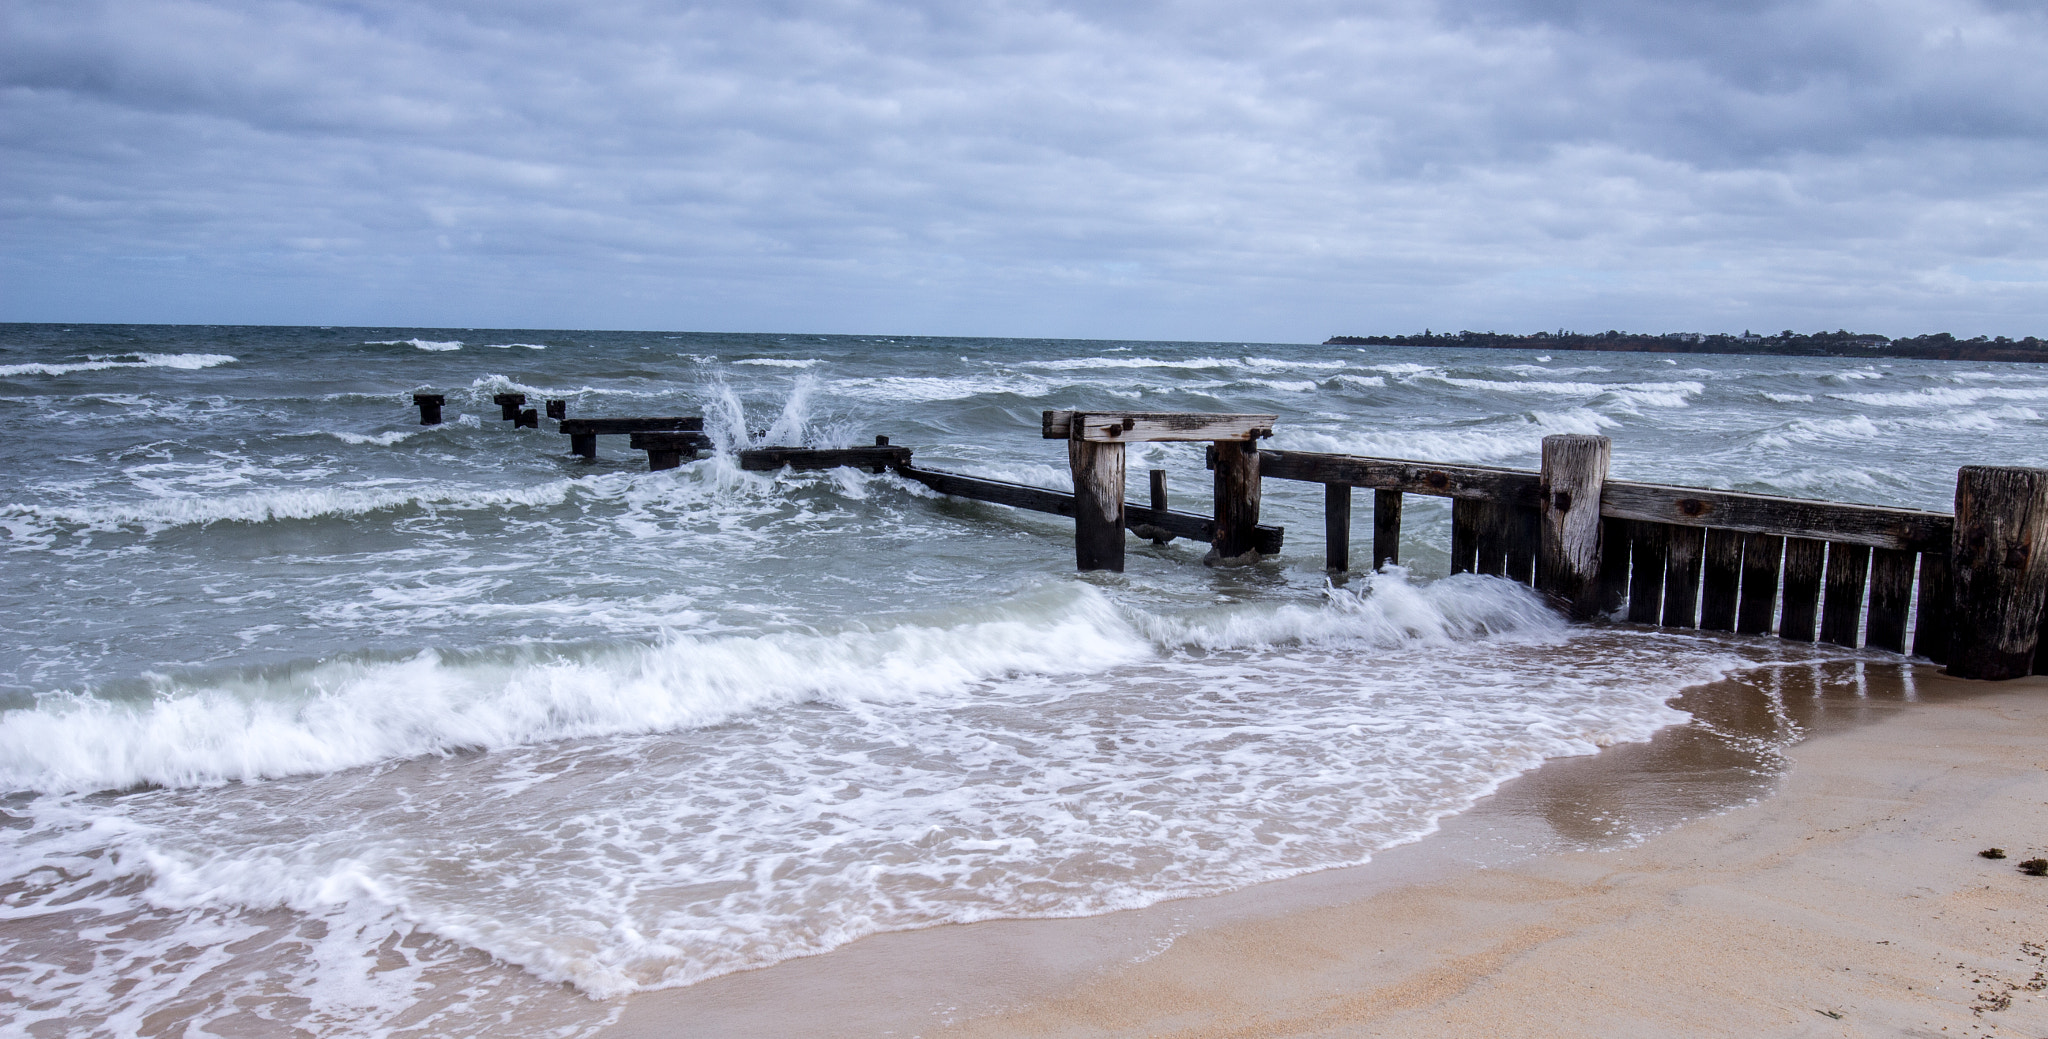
(1276, 171)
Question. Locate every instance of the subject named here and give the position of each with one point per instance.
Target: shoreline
(1471, 929)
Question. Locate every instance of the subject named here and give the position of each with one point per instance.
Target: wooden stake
(1237, 504)
(1937, 602)
(1646, 572)
(1337, 527)
(1805, 560)
(1525, 532)
(1841, 614)
(1891, 595)
(1493, 540)
(1386, 528)
(1722, 575)
(2000, 574)
(1098, 504)
(1682, 576)
(1568, 558)
(1465, 518)
(1761, 556)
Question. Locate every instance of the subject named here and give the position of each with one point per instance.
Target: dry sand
(1850, 901)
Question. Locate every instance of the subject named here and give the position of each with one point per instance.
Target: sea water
(318, 719)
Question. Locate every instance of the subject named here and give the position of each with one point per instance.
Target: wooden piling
(1465, 514)
(1805, 561)
(1647, 549)
(1842, 613)
(1891, 595)
(1762, 554)
(1492, 559)
(1098, 504)
(558, 409)
(1386, 528)
(1337, 527)
(1525, 533)
(509, 404)
(1160, 504)
(1568, 557)
(1683, 548)
(584, 444)
(1937, 603)
(2000, 577)
(528, 419)
(1237, 504)
(1616, 537)
(430, 407)
(1721, 575)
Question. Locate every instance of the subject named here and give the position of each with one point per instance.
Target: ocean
(313, 718)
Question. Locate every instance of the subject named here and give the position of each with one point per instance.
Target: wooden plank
(1525, 536)
(1465, 515)
(1098, 505)
(1762, 554)
(2000, 557)
(1805, 561)
(613, 426)
(805, 459)
(1337, 527)
(1061, 503)
(1510, 486)
(1891, 595)
(1682, 554)
(1721, 576)
(1492, 556)
(1134, 427)
(1386, 525)
(1238, 490)
(1872, 525)
(1648, 545)
(1937, 602)
(1616, 538)
(1569, 557)
(1841, 612)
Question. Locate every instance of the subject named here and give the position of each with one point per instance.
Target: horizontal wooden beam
(1877, 526)
(667, 441)
(1874, 525)
(591, 426)
(1509, 486)
(1061, 503)
(1142, 427)
(804, 459)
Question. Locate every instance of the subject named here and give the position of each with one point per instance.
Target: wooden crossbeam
(1140, 427)
(1061, 503)
(803, 459)
(611, 426)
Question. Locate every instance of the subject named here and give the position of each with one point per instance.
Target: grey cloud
(1204, 170)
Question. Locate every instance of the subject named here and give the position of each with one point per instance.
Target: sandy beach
(1833, 887)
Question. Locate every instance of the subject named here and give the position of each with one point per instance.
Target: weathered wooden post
(1098, 500)
(1159, 507)
(430, 407)
(528, 419)
(1386, 528)
(2000, 570)
(1568, 559)
(509, 404)
(558, 409)
(1095, 443)
(1337, 527)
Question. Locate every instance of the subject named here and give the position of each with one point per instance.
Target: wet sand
(1712, 881)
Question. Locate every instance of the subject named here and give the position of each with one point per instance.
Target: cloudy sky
(1274, 170)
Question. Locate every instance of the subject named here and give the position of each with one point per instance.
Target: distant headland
(1939, 346)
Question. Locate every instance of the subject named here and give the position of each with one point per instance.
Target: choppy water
(314, 717)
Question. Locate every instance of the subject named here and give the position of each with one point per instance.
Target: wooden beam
(1386, 525)
(805, 459)
(1060, 503)
(1937, 602)
(1237, 504)
(613, 426)
(1138, 427)
(1841, 613)
(1891, 595)
(1484, 483)
(1647, 551)
(1721, 576)
(1337, 527)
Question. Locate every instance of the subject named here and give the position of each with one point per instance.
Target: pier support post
(1237, 504)
(430, 407)
(1098, 504)
(1337, 527)
(1386, 528)
(509, 405)
(1568, 559)
(584, 444)
(528, 419)
(2000, 559)
(1159, 506)
(558, 409)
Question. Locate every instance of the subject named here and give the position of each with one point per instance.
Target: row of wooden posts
(1966, 589)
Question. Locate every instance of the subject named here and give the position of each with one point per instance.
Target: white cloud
(1146, 170)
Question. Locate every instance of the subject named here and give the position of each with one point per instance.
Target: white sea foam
(430, 345)
(1653, 394)
(186, 362)
(780, 362)
(508, 346)
(285, 503)
(1519, 436)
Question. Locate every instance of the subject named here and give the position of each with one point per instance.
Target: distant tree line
(1938, 346)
